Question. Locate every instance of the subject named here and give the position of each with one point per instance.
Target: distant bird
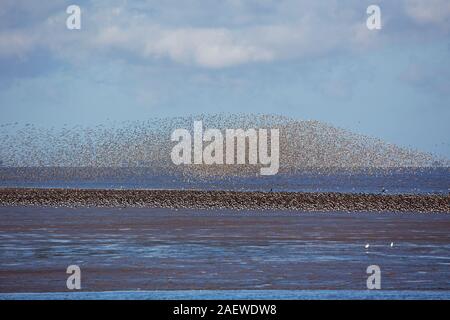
(392, 244)
(383, 190)
(367, 246)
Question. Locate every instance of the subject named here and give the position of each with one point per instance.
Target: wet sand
(167, 249)
(199, 199)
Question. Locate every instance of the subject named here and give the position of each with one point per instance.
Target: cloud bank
(191, 33)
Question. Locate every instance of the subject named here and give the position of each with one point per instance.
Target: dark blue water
(392, 181)
(235, 295)
(163, 249)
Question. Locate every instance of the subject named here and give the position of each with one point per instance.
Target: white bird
(392, 244)
(367, 246)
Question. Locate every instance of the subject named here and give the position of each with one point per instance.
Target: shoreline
(235, 200)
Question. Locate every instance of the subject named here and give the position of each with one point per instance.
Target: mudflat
(221, 249)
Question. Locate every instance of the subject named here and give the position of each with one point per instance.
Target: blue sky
(134, 60)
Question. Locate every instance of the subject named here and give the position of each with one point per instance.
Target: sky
(311, 60)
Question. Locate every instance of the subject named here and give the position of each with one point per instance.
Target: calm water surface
(163, 249)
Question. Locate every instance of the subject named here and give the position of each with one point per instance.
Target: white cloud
(16, 43)
(214, 48)
(115, 28)
(270, 31)
(224, 47)
(206, 47)
(429, 11)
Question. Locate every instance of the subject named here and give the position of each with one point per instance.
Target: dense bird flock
(135, 148)
(209, 199)
(304, 145)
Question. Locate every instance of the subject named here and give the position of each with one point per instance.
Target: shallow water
(236, 295)
(163, 249)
